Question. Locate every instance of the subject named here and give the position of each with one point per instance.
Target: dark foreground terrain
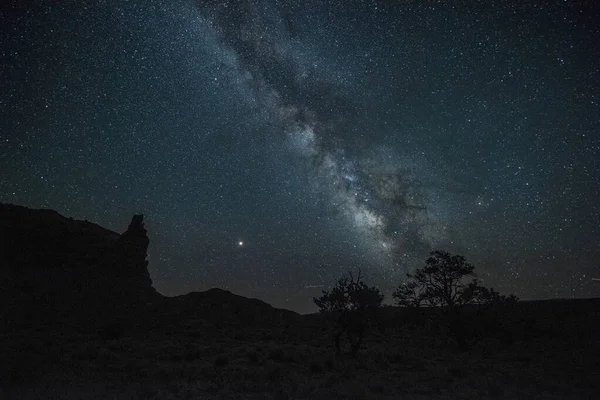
(80, 320)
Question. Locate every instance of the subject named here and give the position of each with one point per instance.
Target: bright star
(240, 243)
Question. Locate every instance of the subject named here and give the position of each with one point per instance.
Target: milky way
(380, 198)
(323, 136)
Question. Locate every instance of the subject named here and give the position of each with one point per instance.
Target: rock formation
(61, 269)
(31, 239)
(75, 275)
(128, 256)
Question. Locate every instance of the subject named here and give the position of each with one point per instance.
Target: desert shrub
(329, 364)
(221, 361)
(112, 331)
(457, 372)
(274, 373)
(88, 353)
(394, 357)
(315, 367)
(267, 336)
(377, 388)
(252, 356)
(277, 354)
(352, 307)
(13, 375)
(192, 355)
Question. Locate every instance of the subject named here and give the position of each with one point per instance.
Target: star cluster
(273, 145)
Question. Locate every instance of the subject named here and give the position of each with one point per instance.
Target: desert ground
(549, 352)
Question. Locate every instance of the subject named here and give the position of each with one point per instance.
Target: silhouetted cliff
(45, 239)
(57, 268)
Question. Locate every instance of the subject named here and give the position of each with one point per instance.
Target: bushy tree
(448, 283)
(352, 306)
(444, 282)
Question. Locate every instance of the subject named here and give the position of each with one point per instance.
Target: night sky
(274, 145)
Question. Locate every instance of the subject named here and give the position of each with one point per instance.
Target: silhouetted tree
(352, 306)
(444, 283)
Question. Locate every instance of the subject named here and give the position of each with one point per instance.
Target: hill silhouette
(80, 319)
(67, 272)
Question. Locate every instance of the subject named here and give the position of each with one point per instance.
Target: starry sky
(274, 145)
